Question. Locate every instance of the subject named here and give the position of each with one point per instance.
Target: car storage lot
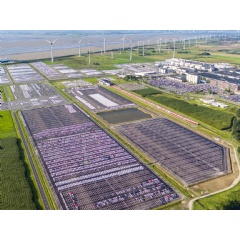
(88, 168)
(99, 99)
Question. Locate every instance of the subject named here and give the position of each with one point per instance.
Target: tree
(238, 113)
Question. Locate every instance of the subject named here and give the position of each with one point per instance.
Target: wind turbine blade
(47, 41)
(54, 41)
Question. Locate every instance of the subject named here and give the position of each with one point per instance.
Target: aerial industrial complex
(134, 136)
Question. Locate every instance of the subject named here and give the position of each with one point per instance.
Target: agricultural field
(7, 128)
(215, 118)
(15, 191)
(147, 92)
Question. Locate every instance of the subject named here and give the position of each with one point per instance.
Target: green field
(15, 191)
(91, 80)
(7, 128)
(147, 92)
(106, 62)
(228, 200)
(215, 118)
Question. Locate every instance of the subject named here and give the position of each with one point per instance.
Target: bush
(238, 113)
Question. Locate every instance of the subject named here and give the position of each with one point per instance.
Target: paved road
(235, 182)
(42, 193)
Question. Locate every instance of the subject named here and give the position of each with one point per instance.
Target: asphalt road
(42, 193)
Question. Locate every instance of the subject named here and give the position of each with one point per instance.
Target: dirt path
(234, 183)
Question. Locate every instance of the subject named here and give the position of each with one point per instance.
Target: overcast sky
(124, 14)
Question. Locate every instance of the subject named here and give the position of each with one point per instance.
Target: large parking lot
(99, 99)
(187, 155)
(4, 78)
(88, 168)
(28, 96)
(22, 73)
(68, 72)
(48, 71)
(182, 88)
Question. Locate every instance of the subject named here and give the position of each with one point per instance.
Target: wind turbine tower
(89, 53)
(130, 50)
(143, 48)
(79, 47)
(104, 45)
(123, 39)
(51, 43)
(174, 48)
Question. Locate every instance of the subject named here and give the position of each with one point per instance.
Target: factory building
(193, 78)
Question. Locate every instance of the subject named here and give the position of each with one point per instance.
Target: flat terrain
(98, 98)
(15, 192)
(124, 115)
(7, 128)
(187, 155)
(89, 169)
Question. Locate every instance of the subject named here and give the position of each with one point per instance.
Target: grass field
(228, 200)
(106, 62)
(7, 128)
(147, 92)
(91, 80)
(15, 191)
(216, 118)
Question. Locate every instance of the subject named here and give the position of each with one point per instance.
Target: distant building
(193, 78)
(214, 103)
(225, 85)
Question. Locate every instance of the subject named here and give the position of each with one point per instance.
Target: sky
(124, 14)
(119, 15)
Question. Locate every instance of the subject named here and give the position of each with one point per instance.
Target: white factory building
(193, 78)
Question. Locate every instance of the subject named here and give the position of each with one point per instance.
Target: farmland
(15, 190)
(147, 92)
(7, 128)
(215, 118)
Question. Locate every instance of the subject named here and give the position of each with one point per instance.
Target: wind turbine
(174, 48)
(123, 41)
(104, 45)
(143, 48)
(160, 44)
(89, 54)
(51, 43)
(138, 46)
(79, 47)
(130, 50)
